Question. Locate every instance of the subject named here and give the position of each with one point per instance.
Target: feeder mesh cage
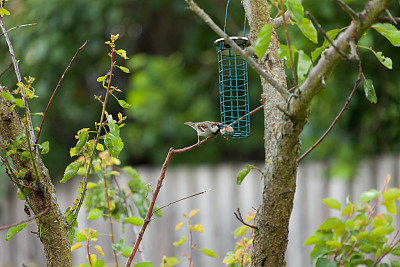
(233, 89)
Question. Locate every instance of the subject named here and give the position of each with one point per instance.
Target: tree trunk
(283, 126)
(52, 228)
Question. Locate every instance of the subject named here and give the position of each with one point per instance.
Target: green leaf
(94, 214)
(391, 193)
(283, 52)
(124, 69)
(241, 230)
(381, 231)
(70, 171)
(14, 230)
(7, 96)
(388, 31)
(127, 251)
(83, 136)
(321, 262)
(101, 79)
(303, 66)
(296, 10)
(25, 155)
(396, 251)
(179, 242)
(386, 61)
(331, 223)
(122, 53)
(99, 263)
(332, 203)
(3, 12)
(370, 91)
(167, 262)
(19, 102)
(318, 251)
(209, 252)
(369, 195)
(143, 264)
(312, 240)
(44, 147)
(134, 221)
(332, 35)
(114, 144)
(123, 104)
(394, 264)
(308, 29)
(263, 40)
(243, 173)
(114, 129)
(391, 206)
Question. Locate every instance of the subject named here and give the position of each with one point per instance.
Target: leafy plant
(241, 256)
(363, 236)
(192, 228)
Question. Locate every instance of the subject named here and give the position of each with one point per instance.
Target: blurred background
(173, 62)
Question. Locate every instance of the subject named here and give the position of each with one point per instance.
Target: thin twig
(289, 46)
(16, 27)
(9, 67)
(176, 201)
(27, 220)
(55, 90)
(347, 9)
(337, 117)
(318, 26)
(204, 16)
(391, 17)
(238, 216)
(109, 216)
(385, 19)
(17, 73)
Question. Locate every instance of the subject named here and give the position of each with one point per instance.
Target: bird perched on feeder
(205, 128)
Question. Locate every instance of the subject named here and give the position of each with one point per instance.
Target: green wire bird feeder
(233, 86)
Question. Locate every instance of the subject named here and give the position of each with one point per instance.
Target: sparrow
(205, 128)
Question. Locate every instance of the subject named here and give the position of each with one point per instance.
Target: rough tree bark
(284, 121)
(52, 228)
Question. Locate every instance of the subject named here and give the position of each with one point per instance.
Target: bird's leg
(198, 139)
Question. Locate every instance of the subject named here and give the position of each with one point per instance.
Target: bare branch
(55, 90)
(347, 9)
(9, 67)
(16, 68)
(388, 19)
(176, 201)
(16, 27)
(27, 220)
(337, 117)
(200, 12)
(318, 26)
(238, 216)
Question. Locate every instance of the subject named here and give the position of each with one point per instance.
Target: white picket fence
(216, 208)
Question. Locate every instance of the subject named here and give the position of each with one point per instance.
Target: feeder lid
(238, 40)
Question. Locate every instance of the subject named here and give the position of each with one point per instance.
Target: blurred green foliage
(174, 79)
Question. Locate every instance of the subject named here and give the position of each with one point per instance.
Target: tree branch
(347, 9)
(55, 90)
(27, 220)
(313, 84)
(200, 12)
(337, 117)
(316, 24)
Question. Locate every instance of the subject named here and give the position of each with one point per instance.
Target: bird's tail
(191, 124)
